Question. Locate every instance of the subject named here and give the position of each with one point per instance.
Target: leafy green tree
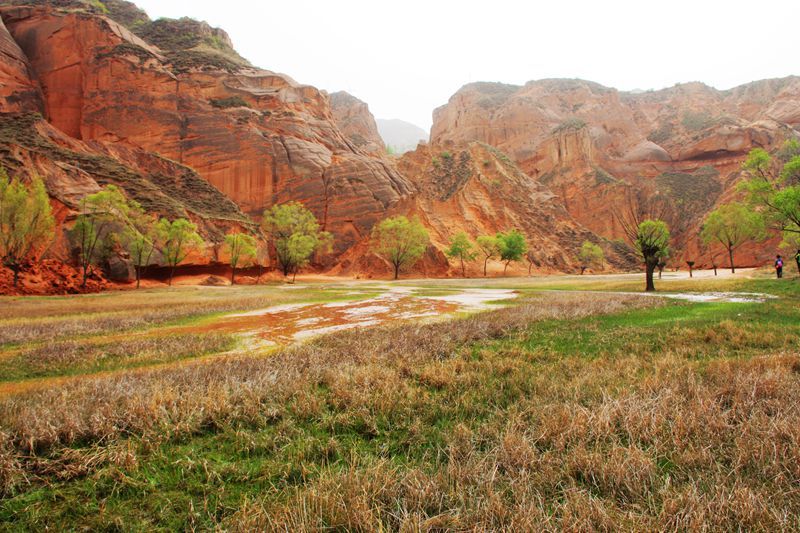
(463, 249)
(295, 235)
(140, 238)
(652, 239)
(590, 256)
(102, 220)
(178, 239)
(26, 221)
(511, 246)
(240, 247)
(773, 187)
(400, 241)
(732, 225)
(487, 245)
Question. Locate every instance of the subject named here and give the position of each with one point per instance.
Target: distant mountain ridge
(401, 136)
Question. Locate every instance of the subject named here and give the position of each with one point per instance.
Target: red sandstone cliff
(171, 113)
(596, 147)
(181, 106)
(356, 122)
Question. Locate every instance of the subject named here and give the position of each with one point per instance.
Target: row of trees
(771, 203)
(771, 187)
(108, 222)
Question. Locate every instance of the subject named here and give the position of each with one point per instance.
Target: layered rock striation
(599, 149)
(170, 101)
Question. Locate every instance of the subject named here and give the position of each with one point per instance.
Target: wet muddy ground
(287, 324)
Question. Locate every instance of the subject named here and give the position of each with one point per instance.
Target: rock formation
(95, 93)
(356, 122)
(478, 189)
(597, 148)
(172, 103)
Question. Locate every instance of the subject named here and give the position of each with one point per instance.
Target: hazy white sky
(404, 58)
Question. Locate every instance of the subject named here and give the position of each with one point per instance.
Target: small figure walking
(779, 266)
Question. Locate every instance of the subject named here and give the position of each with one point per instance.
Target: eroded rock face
(478, 189)
(597, 148)
(258, 137)
(356, 122)
(18, 92)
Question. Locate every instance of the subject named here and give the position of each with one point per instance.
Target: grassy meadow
(575, 406)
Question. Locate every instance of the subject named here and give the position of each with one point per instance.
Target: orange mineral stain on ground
(291, 323)
(287, 324)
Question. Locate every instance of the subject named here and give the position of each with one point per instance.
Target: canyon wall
(96, 93)
(181, 103)
(599, 149)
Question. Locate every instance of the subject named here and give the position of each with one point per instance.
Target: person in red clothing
(779, 267)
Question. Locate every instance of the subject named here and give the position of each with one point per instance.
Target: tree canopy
(140, 238)
(773, 187)
(102, 220)
(732, 225)
(463, 249)
(26, 221)
(652, 241)
(590, 256)
(487, 245)
(178, 239)
(295, 235)
(511, 246)
(402, 242)
(240, 247)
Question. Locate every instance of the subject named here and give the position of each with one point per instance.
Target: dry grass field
(563, 410)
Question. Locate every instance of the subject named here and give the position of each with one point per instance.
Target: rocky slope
(478, 189)
(598, 147)
(356, 122)
(172, 109)
(94, 92)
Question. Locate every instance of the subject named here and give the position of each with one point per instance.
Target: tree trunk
(138, 275)
(730, 255)
(650, 268)
(530, 267)
(233, 275)
(85, 277)
(583, 269)
(463, 269)
(294, 275)
(715, 270)
(15, 268)
(171, 275)
(485, 263)
(505, 269)
(397, 271)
